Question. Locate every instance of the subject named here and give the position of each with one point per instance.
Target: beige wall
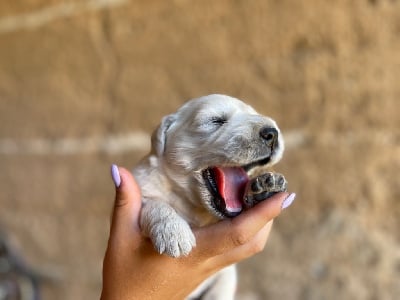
(83, 83)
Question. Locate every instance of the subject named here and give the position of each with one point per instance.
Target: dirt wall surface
(83, 83)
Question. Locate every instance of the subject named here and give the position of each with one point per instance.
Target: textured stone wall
(83, 83)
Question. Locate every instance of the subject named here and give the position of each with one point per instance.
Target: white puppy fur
(209, 140)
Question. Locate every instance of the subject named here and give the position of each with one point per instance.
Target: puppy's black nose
(270, 135)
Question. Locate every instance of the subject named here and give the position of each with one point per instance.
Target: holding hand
(132, 269)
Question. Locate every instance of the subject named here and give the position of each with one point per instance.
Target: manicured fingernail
(288, 201)
(115, 175)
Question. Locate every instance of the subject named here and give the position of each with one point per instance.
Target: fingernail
(288, 201)
(115, 176)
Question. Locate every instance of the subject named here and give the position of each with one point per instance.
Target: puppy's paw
(174, 238)
(269, 182)
(263, 187)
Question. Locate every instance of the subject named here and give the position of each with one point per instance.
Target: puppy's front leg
(169, 232)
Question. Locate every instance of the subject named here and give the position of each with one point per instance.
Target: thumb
(127, 202)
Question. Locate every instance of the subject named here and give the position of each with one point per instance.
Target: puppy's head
(210, 148)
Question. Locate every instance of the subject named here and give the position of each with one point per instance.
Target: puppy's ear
(159, 137)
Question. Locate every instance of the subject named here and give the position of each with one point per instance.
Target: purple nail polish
(115, 175)
(288, 201)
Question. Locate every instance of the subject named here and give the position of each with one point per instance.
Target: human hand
(132, 269)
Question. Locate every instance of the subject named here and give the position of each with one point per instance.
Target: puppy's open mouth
(227, 186)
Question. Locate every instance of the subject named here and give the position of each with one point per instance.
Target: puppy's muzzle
(270, 136)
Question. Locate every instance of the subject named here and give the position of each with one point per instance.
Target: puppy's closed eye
(219, 121)
(210, 124)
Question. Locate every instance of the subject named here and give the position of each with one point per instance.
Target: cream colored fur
(174, 193)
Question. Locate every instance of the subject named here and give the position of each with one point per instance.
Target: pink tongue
(231, 183)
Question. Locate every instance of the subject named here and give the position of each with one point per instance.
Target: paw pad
(263, 187)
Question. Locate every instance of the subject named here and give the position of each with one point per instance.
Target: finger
(252, 247)
(232, 233)
(127, 201)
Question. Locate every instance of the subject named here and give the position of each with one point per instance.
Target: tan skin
(132, 269)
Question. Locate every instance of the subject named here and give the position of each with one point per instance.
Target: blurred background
(84, 82)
